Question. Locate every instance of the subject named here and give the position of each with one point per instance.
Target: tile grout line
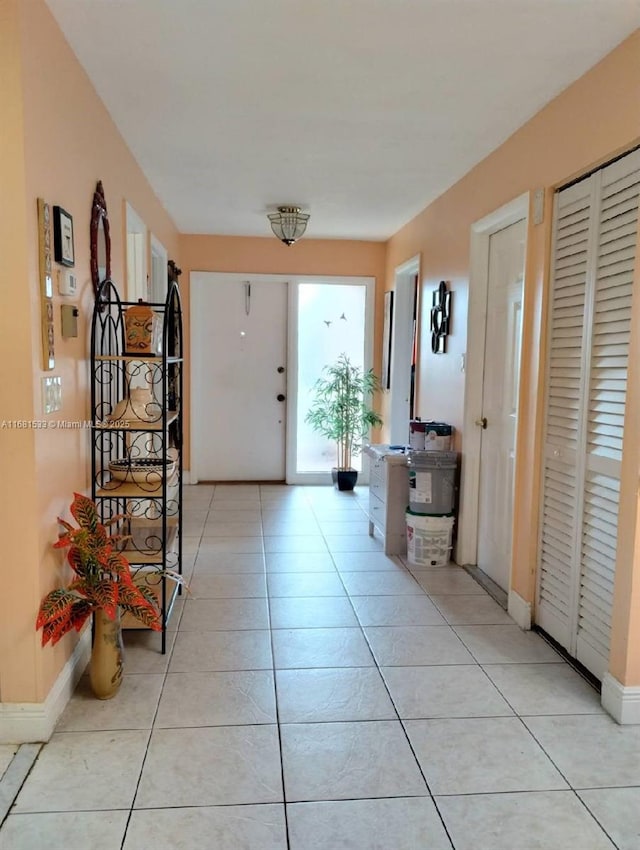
(569, 785)
(275, 696)
(153, 722)
(395, 708)
(530, 732)
(602, 827)
(404, 728)
(15, 776)
(477, 664)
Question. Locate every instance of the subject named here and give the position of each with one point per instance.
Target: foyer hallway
(318, 695)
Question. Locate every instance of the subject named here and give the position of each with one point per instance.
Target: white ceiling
(361, 111)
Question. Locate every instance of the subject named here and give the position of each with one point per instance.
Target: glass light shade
(288, 224)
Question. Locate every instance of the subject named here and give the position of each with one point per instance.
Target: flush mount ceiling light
(288, 224)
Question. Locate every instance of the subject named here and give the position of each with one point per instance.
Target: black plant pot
(344, 479)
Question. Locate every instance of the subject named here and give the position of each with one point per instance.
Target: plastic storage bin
(416, 434)
(429, 539)
(432, 482)
(438, 436)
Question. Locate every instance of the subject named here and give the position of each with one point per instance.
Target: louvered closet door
(565, 390)
(618, 201)
(590, 308)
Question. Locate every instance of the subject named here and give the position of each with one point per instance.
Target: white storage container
(429, 539)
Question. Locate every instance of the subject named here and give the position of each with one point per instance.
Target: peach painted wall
(267, 255)
(590, 122)
(69, 142)
(18, 496)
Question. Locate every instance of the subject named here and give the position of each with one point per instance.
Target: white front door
(239, 378)
(500, 400)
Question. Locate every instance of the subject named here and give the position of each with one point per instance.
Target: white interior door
(238, 356)
(500, 400)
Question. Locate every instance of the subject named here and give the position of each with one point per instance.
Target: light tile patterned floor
(318, 695)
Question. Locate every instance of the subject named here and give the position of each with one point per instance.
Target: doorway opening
(328, 317)
(159, 283)
(403, 383)
(136, 255)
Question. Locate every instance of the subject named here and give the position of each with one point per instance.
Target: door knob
(482, 422)
(280, 397)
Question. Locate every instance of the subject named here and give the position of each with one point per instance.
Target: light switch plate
(51, 394)
(69, 320)
(67, 282)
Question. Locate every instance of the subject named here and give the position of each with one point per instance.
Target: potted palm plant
(102, 585)
(340, 411)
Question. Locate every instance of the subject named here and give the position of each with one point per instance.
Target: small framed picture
(63, 251)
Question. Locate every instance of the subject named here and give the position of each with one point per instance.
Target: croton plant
(102, 578)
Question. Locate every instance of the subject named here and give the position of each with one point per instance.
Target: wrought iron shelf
(172, 415)
(138, 552)
(149, 507)
(157, 359)
(129, 622)
(132, 489)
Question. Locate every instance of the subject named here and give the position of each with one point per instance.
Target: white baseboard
(621, 701)
(519, 610)
(28, 722)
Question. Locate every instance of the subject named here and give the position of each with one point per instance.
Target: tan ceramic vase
(105, 669)
(143, 329)
(141, 406)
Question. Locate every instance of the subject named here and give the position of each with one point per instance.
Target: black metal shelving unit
(148, 489)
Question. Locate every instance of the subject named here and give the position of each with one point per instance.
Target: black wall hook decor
(440, 318)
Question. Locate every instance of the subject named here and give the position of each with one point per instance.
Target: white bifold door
(595, 236)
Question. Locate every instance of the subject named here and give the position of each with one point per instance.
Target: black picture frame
(63, 247)
(387, 334)
(440, 318)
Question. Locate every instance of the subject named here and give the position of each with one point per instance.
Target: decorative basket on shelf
(142, 470)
